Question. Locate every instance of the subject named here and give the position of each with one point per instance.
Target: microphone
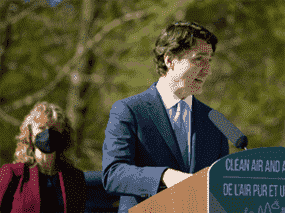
(228, 129)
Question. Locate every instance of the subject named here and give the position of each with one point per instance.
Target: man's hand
(171, 177)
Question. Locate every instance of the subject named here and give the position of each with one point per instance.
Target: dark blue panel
(98, 200)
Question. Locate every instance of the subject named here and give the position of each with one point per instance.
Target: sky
(52, 3)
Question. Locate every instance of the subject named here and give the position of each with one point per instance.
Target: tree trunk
(76, 106)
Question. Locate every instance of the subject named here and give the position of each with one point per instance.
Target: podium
(189, 195)
(248, 181)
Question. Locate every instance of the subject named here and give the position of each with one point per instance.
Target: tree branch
(9, 119)
(18, 17)
(62, 72)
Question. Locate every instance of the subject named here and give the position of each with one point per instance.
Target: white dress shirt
(168, 97)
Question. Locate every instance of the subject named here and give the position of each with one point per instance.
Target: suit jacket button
(144, 195)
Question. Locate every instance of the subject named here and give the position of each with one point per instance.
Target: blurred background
(86, 55)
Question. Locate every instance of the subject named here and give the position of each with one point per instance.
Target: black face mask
(48, 141)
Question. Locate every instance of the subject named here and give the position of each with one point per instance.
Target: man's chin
(192, 91)
(184, 93)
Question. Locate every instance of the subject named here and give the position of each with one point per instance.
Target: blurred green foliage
(247, 84)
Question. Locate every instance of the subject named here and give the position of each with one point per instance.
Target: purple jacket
(27, 195)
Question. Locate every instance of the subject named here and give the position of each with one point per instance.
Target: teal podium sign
(251, 181)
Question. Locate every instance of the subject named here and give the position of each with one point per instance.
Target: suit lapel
(199, 121)
(160, 118)
(193, 132)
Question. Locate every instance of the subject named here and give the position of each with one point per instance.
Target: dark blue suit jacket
(140, 144)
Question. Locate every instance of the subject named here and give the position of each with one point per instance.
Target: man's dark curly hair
(177, 38)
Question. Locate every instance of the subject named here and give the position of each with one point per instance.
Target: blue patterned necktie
(180, 124)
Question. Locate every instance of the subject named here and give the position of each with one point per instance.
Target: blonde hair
(56, 119)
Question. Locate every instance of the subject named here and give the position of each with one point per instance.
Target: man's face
(195, 64)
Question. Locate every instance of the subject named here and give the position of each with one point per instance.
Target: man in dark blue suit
(163, 135)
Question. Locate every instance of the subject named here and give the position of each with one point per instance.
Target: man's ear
(167, 62)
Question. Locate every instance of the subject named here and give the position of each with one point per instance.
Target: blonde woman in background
(42, 178)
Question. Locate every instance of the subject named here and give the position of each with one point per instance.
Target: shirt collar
(168, 97)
